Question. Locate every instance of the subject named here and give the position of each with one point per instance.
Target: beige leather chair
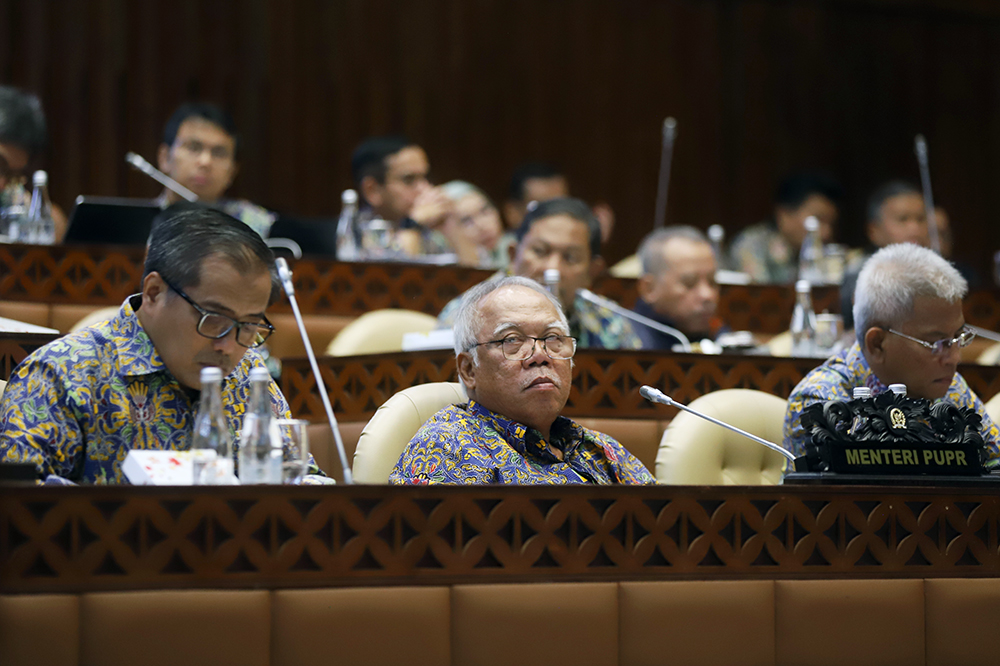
(394, 425)
(694, 451)
(780, 345)
(96, 317)
(992, 407)
(990, 356)
(3, 386)
(379, 331)
(629, 267)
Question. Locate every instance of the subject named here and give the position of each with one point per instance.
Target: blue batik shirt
(836, 379)
(78, 405)
(470, 444)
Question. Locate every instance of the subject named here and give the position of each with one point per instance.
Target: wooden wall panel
(758, 87)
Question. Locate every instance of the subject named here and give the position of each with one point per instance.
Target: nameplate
(855, 458)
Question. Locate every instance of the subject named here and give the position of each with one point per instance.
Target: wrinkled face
(405, 179)
(903, 220)
(13, 163)
(685, 293)
(172, 323)
(561, 242)
(792, 221)
(202, 159)
(533, 391)
(480, 220)
(535, 189)
(907, 362)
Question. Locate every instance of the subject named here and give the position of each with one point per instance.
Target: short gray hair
(457, 189)
(651, 250)
(894, 277)
(468, 319)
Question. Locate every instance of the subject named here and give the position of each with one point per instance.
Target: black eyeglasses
(214, 325)
(938, 347)
(516, 348)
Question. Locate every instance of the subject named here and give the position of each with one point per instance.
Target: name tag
(860, 458)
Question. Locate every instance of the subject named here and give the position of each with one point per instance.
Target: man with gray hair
(515, 359)
(910, 330)
(677, 287)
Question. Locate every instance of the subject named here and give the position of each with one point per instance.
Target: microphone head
(920, 145)
(669, 127)
(285, 275)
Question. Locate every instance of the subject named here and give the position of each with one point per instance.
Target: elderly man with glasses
(910, 330)
(515, 359)
(77, 406)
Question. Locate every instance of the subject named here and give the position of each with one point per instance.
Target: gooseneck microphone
(920, 147)
(588, 295)
(654, 395)
(285, 275)
(163, 179)
(666, 159)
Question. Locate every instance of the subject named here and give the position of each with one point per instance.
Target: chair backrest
(3, 387)
(694, 451)
(781, 344)
(990, 356)
(395, 423)
(992, 407)
(379, 331)
(96, 317)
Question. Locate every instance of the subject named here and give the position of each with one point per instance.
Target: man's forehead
(411, 159)
(204, 130)
(562, 230)
(516, 304)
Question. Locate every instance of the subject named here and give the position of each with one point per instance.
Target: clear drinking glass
(294, 435)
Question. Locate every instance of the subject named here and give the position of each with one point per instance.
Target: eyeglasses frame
(261, 337)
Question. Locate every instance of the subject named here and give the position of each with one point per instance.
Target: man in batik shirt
(78, 405)
(514, 357)
(910, 330)
(564, 234)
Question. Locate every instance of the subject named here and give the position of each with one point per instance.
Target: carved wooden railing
(118, 538)
(105, 275)
(605, 383)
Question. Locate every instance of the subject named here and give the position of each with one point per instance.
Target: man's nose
(538, 355)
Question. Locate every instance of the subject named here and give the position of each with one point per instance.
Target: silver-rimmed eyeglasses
(518, 347)
(214, 325)
(939, 347)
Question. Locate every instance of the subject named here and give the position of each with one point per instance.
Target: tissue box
(159, 468)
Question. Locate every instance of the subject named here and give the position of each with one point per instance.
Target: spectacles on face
(196, 148)
(214, 325)
(939, 347)
(515, 347)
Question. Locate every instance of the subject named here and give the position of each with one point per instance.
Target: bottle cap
(259, 374)
(812, 223)
(803, 287)
(898, 389)
(40, 178)
(716, 233)
(349, 197)
(551, 276)
(862, 392)
(211, 375)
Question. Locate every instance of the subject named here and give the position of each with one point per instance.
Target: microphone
(588, 295)
(285, 275)
(163, 179)
(654, 395)
(666, 159)
(920, 146)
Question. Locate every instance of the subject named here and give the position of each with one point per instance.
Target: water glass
(294, 436)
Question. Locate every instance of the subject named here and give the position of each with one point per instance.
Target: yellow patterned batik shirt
(470, 444)
(78, 405)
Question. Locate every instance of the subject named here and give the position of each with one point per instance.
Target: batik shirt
(836, 379)
(470, 444)
(593, 326)
(763, 253)
(78, 405)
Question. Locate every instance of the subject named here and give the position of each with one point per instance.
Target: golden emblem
(897, 418)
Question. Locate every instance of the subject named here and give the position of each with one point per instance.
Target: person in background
(23, 138)
(943, 222)
(199, 152)
(76, 406)
(515, 360)
(391, 174)
(769, 251)
(532, 181)
(480, 221)
(563, 234)
(677, 287)
(910, 329)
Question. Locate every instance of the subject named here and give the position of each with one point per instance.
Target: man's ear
(646, 286)
(154, 291)
(233, 171)
(874, 234)
(875, 344)
(371, 191)
(597, 267)
(467, 372)
(163, 158)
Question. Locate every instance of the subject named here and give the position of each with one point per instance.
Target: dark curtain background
(759, 87)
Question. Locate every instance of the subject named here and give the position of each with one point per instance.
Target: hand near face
(431, 208)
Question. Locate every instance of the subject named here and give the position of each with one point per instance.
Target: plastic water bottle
(260, 458)
(862, 393)
(716, 234)
(811, 254)
(551, 279)
(347, 230)
(41, 228)
(211, 446)
(803, 327)
(898, 389)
